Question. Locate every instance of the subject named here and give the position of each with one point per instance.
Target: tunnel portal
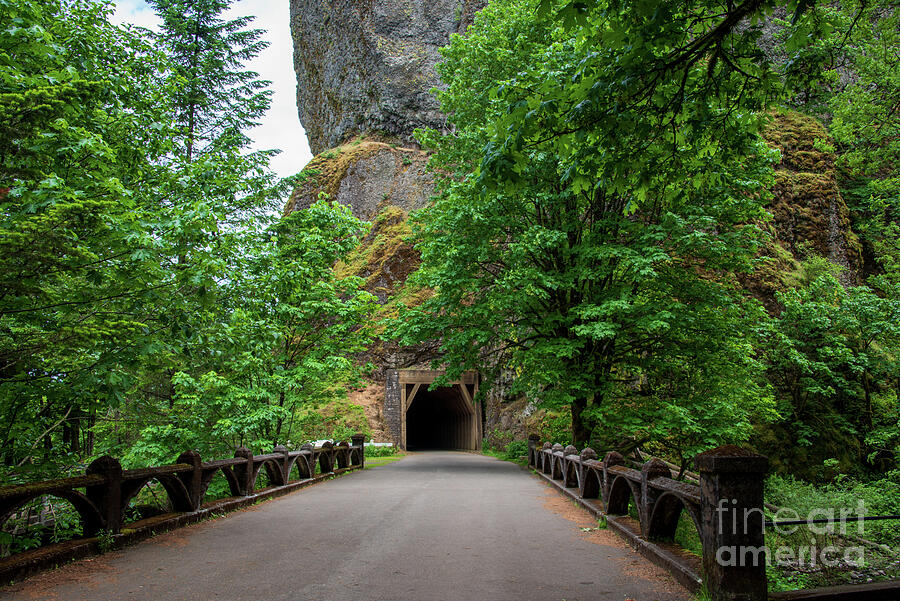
(443, 418)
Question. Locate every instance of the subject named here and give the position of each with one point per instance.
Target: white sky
(280, 128)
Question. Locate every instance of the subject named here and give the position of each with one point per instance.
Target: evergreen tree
(216, 100)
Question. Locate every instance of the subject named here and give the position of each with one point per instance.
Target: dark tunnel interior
(440, 419)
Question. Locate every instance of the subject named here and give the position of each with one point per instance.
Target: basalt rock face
(809, 214)
(366, 176)
(367, 66)
(365, 71)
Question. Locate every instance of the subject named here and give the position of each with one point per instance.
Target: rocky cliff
(367, 66)
(365, 71)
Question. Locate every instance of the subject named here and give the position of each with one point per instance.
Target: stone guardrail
(726, 507)
(102, 495)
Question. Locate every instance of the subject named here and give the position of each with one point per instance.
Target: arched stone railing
(102, 495)
(730, 492)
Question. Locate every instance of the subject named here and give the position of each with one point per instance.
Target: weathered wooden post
(570, 475)
(555, 467)
(611, 459)
(533, 442)
(732, 523)
(358, 440)
(589, 483)
(107, 497)
(281, 476)
(546, 465)
(244, 471)
(306, 464)
(192, 480)
(326, 458)
(655, 468)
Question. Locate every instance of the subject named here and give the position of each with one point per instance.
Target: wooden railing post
(654, 468)
(192, 480)
(107, 497)
(245, 471)
(283, 474)
(534, 442)
(732, 523)
(358, 441)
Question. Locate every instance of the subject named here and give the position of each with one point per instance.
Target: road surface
(433, 526)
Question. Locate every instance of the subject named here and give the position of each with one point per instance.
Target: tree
(866, 127)
(834, 357)
(82, 129)
(220, 196)
(216, 100)
(596, 202)
(287, 343)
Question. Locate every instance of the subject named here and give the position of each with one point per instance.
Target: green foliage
(848, 76)
(41, 521)
(148, 304)
(79, 242)
(513, 451)
(381, 451)
(215, 100)
(594, 207)
(879, 497)
(105, 540)
(686, 535)
(336, 420)
(833, 357)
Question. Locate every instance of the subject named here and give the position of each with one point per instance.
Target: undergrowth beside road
(515, 451)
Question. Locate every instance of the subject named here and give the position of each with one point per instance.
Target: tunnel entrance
(443, 418)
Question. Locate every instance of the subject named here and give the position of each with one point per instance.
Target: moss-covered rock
(366, 175)
(809, 215)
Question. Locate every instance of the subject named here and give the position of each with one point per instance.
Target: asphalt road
(433, 526)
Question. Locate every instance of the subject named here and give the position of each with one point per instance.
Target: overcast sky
(280, 126)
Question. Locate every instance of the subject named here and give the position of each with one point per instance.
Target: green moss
(805, 208)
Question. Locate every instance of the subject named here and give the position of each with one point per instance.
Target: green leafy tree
(834, 360)
(866, 127)
(220, 195)
(288, 342)
(81, 133)
(598, 186)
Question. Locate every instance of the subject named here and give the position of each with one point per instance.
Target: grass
(379, 461)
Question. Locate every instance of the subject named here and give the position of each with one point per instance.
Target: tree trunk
(581, 433)
(867, 388)
(280, 422)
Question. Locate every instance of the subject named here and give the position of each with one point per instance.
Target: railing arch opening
(621, 497)
(217, 487)
(591, 484)
(146, 499)
(271, 475)
(47, 519)
(673, 520)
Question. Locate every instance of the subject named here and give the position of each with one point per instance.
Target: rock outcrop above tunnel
(366, 176)
(368, 65)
